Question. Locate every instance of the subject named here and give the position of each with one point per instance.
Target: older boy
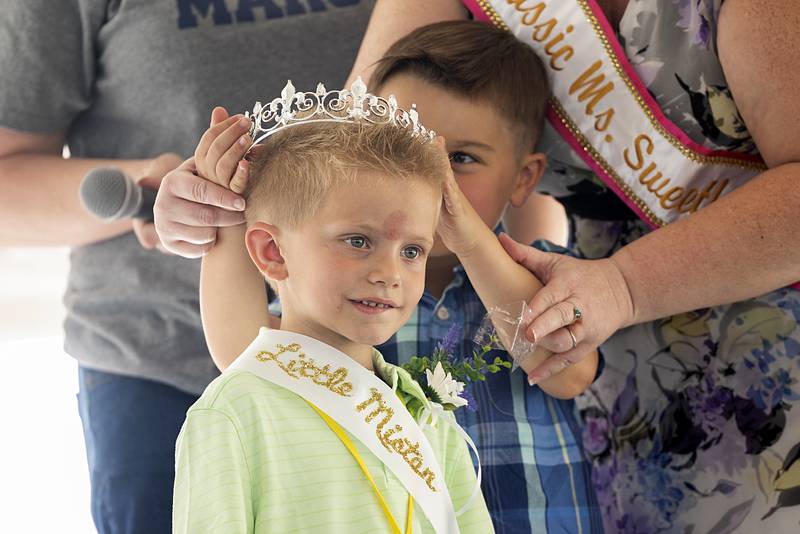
(485, 92)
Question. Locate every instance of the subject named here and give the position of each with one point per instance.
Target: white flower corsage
(446, 377)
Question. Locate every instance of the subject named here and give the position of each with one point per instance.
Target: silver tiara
(347, 105)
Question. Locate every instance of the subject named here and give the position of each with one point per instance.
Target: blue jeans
(130, 426)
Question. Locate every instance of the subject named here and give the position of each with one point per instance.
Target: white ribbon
(435, 413)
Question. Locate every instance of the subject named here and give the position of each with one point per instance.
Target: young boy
(533, 471)
(341, 218)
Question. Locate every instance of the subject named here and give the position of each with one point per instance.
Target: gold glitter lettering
(302, 366)
(399, 445)
(428, 477)
(406, 449)
(305, 367)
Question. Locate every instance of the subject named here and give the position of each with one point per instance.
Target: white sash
(361, 403)
(604, 111)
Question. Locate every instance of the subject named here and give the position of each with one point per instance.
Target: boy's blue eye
(411, 253)
(461, 158)
(356, 241)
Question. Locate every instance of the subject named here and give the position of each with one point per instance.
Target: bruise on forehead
(394, 223)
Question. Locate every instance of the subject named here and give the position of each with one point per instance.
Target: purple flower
(472, 405)
(450, 341)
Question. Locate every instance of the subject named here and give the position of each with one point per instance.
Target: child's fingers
(218, 114)
(441, 143)
(210, 136)
(241, 177)
(227, 165)
(187, 165)
(226, 151)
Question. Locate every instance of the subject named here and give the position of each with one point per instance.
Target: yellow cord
(345, 439)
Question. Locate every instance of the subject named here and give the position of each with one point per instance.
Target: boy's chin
(374, 334)
(372, 338)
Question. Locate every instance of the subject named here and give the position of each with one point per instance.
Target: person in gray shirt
(131, 85)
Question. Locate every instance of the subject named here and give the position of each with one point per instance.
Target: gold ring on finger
(571, 335)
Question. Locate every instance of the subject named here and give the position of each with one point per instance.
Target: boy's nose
(386, 271)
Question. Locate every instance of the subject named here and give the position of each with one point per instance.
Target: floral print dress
(694, 424)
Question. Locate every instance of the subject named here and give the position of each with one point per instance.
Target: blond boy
(482, 144)
(341, 218)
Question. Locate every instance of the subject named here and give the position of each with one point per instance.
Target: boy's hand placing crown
(202, 194)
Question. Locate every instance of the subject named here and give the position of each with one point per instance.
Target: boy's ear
(262, 245)
(530, 172)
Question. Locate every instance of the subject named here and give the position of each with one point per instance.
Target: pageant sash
(362, 404)
(605, 112)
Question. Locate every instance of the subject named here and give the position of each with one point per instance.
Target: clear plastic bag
(503, 327)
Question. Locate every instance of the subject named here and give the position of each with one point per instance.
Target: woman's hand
(596, 288)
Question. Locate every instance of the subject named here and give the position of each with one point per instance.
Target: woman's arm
(391, 20)
(39, 193)
(748, 242)
(745, 244)
(39, 203)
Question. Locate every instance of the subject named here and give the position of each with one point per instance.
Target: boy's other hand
(189, 209)
(219, 155)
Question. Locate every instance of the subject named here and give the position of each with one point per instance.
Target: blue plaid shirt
(535, 476)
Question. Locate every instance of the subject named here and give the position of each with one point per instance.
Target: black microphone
(110, 194)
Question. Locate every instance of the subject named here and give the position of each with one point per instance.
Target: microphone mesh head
(104, 191)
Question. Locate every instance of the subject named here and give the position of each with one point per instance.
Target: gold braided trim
(597, 158)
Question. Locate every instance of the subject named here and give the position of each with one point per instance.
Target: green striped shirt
(255, 457)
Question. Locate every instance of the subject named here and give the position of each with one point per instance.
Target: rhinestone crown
(347, 105)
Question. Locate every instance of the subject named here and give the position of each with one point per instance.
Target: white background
(44, 480)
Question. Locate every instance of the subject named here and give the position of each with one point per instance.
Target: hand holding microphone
(110, 194)
(187, 209)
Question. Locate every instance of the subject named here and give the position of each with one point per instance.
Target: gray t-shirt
(137, 78)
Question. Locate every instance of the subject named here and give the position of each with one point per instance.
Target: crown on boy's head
(347, 105)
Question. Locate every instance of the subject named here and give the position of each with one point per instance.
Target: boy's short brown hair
(477, 61)
(293, 170)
